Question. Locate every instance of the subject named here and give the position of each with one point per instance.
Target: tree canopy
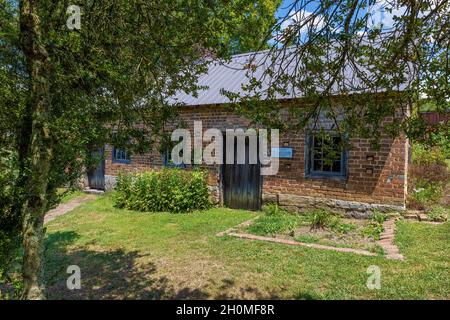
(70, 81)
(381, 58)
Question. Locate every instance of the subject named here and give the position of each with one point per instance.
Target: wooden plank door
(242, 183)
(96, 176)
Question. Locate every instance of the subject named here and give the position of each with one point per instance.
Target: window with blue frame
(167, 160)
(325, 156)
(120, 155)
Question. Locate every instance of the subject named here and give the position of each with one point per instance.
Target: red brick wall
(385, 185)
(435, 117)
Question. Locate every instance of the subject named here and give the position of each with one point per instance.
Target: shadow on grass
(113, 274)
(117, 274)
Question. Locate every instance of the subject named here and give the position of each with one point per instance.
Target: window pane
(317, 165)
(326, 154)
(337, 166)
(326, 167)
(120, 154)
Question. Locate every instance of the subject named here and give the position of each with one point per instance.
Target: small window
(120, 156)
(167, 160)
(325, 156)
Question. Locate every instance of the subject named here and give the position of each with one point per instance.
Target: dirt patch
(353, 237)
(64, 208)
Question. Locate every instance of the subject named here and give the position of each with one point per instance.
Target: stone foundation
(214, 195)
(354, 209)
(110, 182)
(296, 203)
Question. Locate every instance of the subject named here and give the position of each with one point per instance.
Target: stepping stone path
(421, 217)
(416, 215)
(64, 208)
(387, 241)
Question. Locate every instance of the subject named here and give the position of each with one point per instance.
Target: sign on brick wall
(282, 152)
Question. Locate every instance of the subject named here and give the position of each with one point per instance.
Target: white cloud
(306, 19)
(383, 13)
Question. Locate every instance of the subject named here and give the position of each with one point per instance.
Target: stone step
(93, 191)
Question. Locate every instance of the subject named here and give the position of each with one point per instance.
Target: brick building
(359, 180)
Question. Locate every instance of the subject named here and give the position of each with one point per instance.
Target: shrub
(375, 227)
(169, 190)
(10, 283)
(373, 230)
(425, 193)
(428, 174)
(438, 214)
(345, 227)
(378, 217)
(319, 219)
(424, 156)
(10, 223)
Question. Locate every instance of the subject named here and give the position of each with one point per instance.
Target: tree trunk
(39, 152)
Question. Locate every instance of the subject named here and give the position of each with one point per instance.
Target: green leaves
(170, 190)
(364, 75)
(116, 73)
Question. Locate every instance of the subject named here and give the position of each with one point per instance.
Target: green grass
(126, 254)
(69, 195)
(307, 239)
(274, 224)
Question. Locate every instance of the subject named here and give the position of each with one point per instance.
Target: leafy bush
(424, 156)
(8, 176)
(10, 284)
(169, 190)
(10, 223)
(425, 193)
(375, 227)
(345, 227)
(319, 219)
(438, 214)
(429, 174)
(373, 230)
(378, 217)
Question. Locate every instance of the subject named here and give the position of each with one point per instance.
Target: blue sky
(286, 4)
(378, 12)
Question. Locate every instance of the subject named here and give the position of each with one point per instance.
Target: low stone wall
(354, 209)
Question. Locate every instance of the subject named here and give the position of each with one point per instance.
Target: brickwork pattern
(374, 176)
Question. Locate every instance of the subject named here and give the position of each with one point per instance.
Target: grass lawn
(126, 254)
(69, 195)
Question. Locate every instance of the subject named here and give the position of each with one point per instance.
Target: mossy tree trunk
(39, 152)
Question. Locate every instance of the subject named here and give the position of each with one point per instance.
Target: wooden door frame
(102, 163)
(222, 173)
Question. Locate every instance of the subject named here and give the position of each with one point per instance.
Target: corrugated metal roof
(225, 75)
(232, 75)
